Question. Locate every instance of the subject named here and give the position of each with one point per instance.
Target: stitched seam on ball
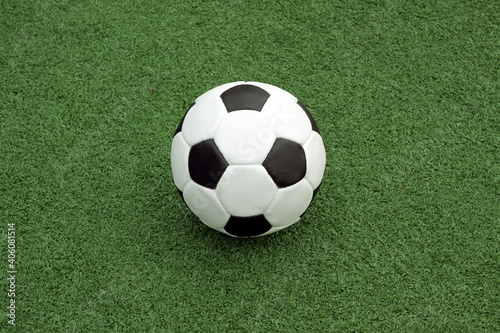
(183, 188)
(220, 204)
(184, 138)
(213, 132)
(308, 138)
(305, 175)
(220, 120)
(274, 198)
(310, 184)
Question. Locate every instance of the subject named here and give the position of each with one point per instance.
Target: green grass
(403, 236)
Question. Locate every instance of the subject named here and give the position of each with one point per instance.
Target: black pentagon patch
(286, 162)
(244, 97)
(179, 128)
(309, 115)
(247, 226)
(206, 163)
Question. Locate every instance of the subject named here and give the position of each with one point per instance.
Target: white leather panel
(315, 159)
(244, 137)
(179, 161)
(202, 119)
(204, 203)
(289, 204)
(287, 118)
(246, 190)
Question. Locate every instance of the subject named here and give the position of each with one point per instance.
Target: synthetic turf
(403, 235)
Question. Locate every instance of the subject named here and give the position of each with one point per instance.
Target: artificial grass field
(403, 235)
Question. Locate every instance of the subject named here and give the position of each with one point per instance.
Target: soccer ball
(247, 158)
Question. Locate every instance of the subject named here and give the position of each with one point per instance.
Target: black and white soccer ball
(247, 158)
